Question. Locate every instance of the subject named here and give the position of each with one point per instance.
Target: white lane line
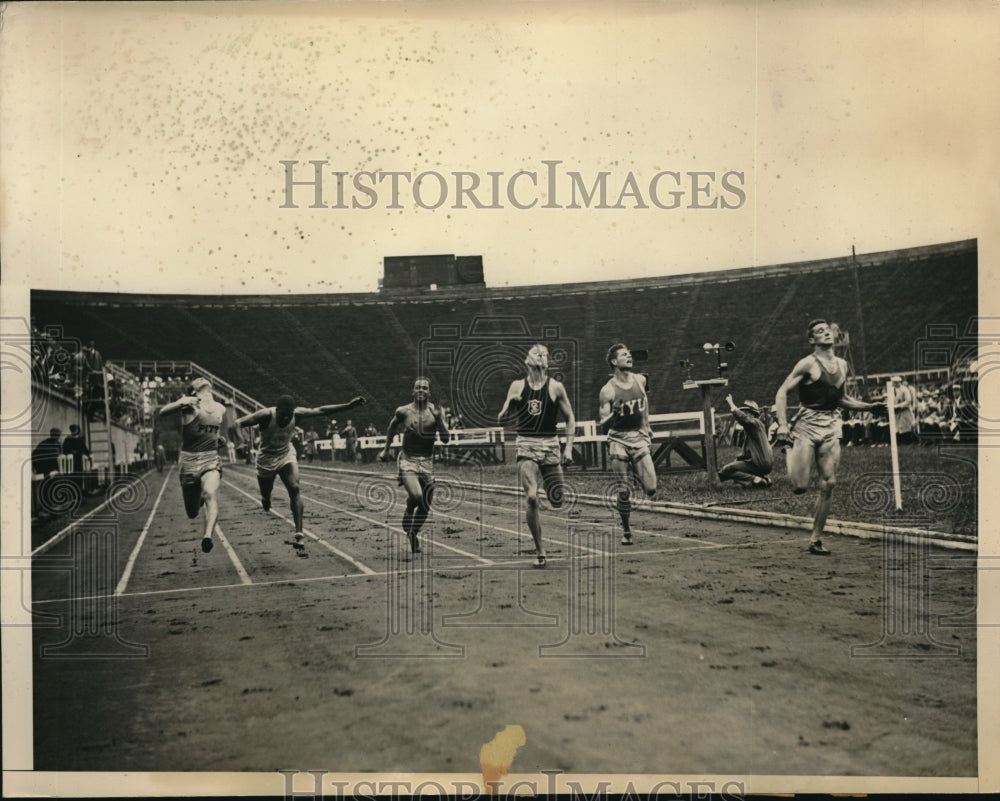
(57, 538)
(437, 542)
(437, 512)
(359, 565)
(487, 488)
(244, 576)
(334, 577)
(520, 534)
(282, 582)
(379, 523)
(127, 573)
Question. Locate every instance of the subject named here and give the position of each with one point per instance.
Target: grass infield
(938, 487)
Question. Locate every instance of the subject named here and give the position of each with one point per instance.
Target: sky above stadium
(154, 147)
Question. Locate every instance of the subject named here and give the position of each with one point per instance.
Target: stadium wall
(52, 410)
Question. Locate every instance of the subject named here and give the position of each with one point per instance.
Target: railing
(244, 403)
(489, 442)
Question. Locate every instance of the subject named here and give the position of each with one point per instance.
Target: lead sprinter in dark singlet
(421, 422)
(815, 431)
(535, 403)
(200, 465)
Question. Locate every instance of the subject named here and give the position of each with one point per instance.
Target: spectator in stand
(44, 462)
(902, 403)
(45, 456)
(851, 424)
(866, 428)
(75, 446)
(772, 427)
(311, 437)
(92, 372)
(912, 390)
(350, 435)
(963, 420)
(41, 365)
(932, 425)
(234, 434)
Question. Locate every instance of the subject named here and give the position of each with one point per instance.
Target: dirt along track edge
(756, 517)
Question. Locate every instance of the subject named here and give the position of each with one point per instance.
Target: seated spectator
(45, 456)
(44, 463)
(75, 446)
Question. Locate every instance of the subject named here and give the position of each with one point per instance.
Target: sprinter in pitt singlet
(200, 466)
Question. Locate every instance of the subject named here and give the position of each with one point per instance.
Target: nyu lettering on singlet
(537, 414)
(633, 405)
(420, 432)
(826, 392)
(275, 438)
(202, 433)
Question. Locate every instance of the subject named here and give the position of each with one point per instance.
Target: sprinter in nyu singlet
(624, 415)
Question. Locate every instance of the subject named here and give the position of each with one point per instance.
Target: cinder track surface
(707, 647)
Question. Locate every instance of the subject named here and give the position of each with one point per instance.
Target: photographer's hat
(751, 407)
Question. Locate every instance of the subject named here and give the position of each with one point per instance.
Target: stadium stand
(324, 348)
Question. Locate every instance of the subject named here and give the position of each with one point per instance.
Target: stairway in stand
(100, 449)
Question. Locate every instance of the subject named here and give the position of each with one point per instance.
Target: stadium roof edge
(920, 253)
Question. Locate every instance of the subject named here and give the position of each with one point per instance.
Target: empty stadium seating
(328, 348)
